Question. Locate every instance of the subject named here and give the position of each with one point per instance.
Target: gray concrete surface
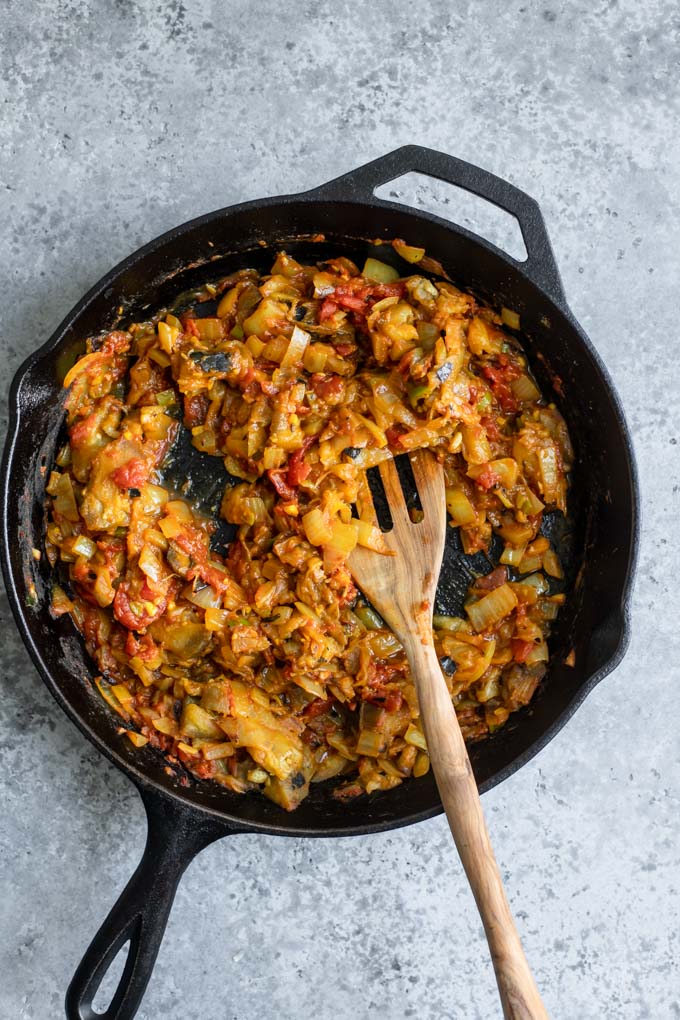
(122, 119)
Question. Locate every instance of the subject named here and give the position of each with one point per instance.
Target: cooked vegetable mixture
(260, 666)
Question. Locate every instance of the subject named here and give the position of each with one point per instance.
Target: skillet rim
(149, 786)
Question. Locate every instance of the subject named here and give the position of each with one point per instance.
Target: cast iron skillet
(599, 541)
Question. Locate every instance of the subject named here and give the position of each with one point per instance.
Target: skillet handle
(175, 835)
(359, 185)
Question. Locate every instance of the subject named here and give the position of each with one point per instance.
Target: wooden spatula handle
(460, 797)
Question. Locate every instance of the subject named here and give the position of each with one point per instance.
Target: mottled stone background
(122, 119)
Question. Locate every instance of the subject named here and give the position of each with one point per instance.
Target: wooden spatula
(402, 588)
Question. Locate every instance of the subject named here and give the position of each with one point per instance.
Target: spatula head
(402, 584)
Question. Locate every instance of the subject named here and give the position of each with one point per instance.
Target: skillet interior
(602, 533)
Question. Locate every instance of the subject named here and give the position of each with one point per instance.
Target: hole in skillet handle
(462, 207)
(139, 917)
(361, 185)
(111, 979)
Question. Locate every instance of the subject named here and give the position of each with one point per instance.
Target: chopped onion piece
(552, 565)
(415, 737)
(536, 581)
(84, 546)
(460, 508)
(510, 318)
(428, 334)
(136, 738)
(64, 498)
(317, 527)
(407, 251)
(296, 348)
(379, 271)
(205, 597)
(449, 623)
(492, 608)
(537, 654)
(512, 555)
(524, 389)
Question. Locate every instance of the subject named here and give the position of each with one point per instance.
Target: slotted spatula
(402, 588)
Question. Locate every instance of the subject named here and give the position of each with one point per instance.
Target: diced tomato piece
(328, 308)
(80, 571)
(85, 431)
(211, 575)
(298, 468)
(133, 474)
(501, 373)
(317, 707)
(298, 472)
(383, 697)
(347, 792)
(193, 542)
(278, 478)
(344, 349)
(491, 427)
(132, 645)
(394, 434)
(521, 649)
(353, 287)
(357, 296)
(195, 410)
(352, 302)
(493, 580)
(488, 479)
(91, 627)
(500, 378)
(378, 291)
(506, 399)
(237, 560)
(125, 614)
(189, 326)
(200, 768)
(330, 388)
(115, 343)
(111, 548)
(393, 701)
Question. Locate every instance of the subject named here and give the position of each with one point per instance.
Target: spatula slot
(379, 497)
(409, 487)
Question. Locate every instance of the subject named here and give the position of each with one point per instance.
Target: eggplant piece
(218, 362)
(180, 561)
(289, 793)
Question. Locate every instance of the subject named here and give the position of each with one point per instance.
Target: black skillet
(599, 541)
